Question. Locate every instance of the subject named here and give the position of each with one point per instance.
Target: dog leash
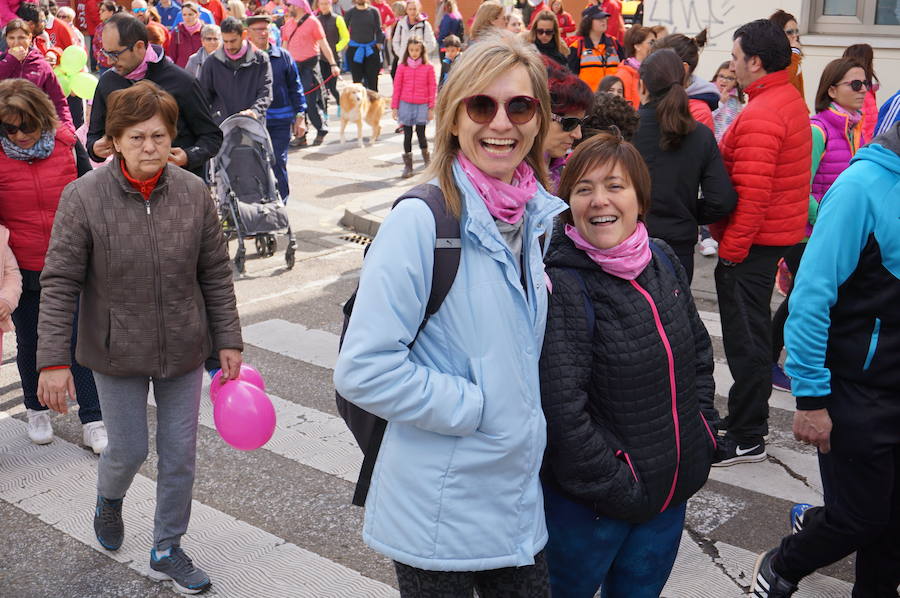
(330, 77)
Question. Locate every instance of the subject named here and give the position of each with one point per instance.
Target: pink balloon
(248, 374)
(244, 415)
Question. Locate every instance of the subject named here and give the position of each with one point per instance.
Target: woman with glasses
(788, 23)
(455, 498)
(690, 184)
(36, 163)
(626, 385)
(186, 38)
(864, 54)
(837, 135)
(570, 100)
(545, 36)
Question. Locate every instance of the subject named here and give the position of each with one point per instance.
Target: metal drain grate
(358, 239)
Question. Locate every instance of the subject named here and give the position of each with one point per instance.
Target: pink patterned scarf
(141, 71)
(505, 201)
(626, 260)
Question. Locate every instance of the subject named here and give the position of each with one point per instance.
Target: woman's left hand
(54, 385)
(230, 360)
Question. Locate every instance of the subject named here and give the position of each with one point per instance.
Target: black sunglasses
(113, 55)
(545, 31)
(519, 109)
(857, 85)
(568, 123)
(9, 129)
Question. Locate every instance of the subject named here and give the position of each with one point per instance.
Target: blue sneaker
(797, 512)
(179, 568)
(780, 381)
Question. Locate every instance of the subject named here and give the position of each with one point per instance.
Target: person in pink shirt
(412, 103)
(304, 38)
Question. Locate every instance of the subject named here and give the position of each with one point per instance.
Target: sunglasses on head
(519, 109)
(857, 85)
(544, 31)
(9, 129)
(568, 123)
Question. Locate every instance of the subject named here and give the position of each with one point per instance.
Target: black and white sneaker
(730, 452)
(108, 525)
(179, 568)
(767, 583)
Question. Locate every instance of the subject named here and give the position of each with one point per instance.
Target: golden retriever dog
(359, 104)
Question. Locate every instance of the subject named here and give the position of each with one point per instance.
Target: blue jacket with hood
(845, 307)
(456, 484)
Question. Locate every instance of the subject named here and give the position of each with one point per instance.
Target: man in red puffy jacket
(767, 153)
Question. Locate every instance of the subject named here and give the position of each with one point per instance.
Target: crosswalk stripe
(57, 483)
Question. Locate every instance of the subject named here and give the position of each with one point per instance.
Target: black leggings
(510, 582)
(407, 137)
(792, 260)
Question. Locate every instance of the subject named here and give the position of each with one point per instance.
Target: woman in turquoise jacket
(455, 497)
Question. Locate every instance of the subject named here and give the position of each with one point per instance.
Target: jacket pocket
(709, 435)
(873, 344)
(133, 338)
(626, 458)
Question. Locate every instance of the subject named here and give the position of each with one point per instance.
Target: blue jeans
(624, 560)
(280, 134)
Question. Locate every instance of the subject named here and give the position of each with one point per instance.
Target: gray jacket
(195, 62)
(231, 89)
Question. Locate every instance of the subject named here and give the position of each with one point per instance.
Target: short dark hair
(608, 81)
(767, 40)
(781, 18)
(131, 30)
(610, 110)
(138, 103)
(452, 41)
(231, 25)
(863, 54)
(832, 74)
(29, 12)
(635, 35)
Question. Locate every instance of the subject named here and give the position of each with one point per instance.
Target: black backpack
(368, 429)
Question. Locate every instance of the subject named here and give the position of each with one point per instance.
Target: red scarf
(145, 187)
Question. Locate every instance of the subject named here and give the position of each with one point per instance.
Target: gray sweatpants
(123, 401)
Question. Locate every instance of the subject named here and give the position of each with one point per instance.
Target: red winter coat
(182, 45)
(29, 195)
(768, 153)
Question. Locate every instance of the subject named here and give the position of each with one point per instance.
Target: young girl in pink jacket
(10, 284)
(415, 87)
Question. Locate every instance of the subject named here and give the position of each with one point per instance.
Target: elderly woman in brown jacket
(139, 239)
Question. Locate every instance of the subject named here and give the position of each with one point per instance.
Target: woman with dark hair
(594, 54)
(546, 37)
(611, 84)
(683, 160)
(639, 43)
(788, 23)
(107, 9)
(186, 38)
(570, 101)
(836, 136)
(609, 113)
(865, 56)
(624, 346)
(703, 96)
(156, 297)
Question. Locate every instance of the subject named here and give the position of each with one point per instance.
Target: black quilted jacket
(616, 440)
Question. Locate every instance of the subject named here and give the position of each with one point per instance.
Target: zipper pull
(147, 203)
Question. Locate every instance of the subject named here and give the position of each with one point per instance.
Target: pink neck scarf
(626, 260)
(240, 54)
(504, 201)
(141, 71)
(192, 29)
(633, 62)
(413, 62)
(854, 117)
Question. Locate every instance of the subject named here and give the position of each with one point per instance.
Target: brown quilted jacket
(154, 277)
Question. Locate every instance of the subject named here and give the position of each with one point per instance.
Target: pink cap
(304, 4)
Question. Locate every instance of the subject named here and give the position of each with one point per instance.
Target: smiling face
(558, 142)
(144, 147)
(604, 206)
(20, 138)
(844, 96)
(498, 147)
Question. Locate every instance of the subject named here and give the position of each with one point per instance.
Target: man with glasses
(286, 112)
(237, 77)
(210, 41)
(132, 59)
(767, 151)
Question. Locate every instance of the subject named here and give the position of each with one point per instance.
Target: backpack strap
(664, 258)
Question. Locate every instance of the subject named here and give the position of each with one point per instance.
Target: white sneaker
(709, 247)
(94, 435)
(40, 430)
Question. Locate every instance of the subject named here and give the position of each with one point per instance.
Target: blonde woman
(490, 16)
(455, 497)
(236, 9)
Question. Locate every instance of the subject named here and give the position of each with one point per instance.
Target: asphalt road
(278, 521)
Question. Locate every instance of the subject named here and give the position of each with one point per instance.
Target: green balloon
(64, 81)
(84, 85)
(73, 59)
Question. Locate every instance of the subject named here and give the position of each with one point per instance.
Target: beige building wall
(722, 17)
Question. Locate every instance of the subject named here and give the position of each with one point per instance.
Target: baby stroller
(249, 203)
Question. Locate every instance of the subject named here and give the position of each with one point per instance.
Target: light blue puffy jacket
(456, 486)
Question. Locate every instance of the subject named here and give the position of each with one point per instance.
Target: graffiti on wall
(692, 16)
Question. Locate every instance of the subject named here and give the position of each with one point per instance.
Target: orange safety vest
(596, 62)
